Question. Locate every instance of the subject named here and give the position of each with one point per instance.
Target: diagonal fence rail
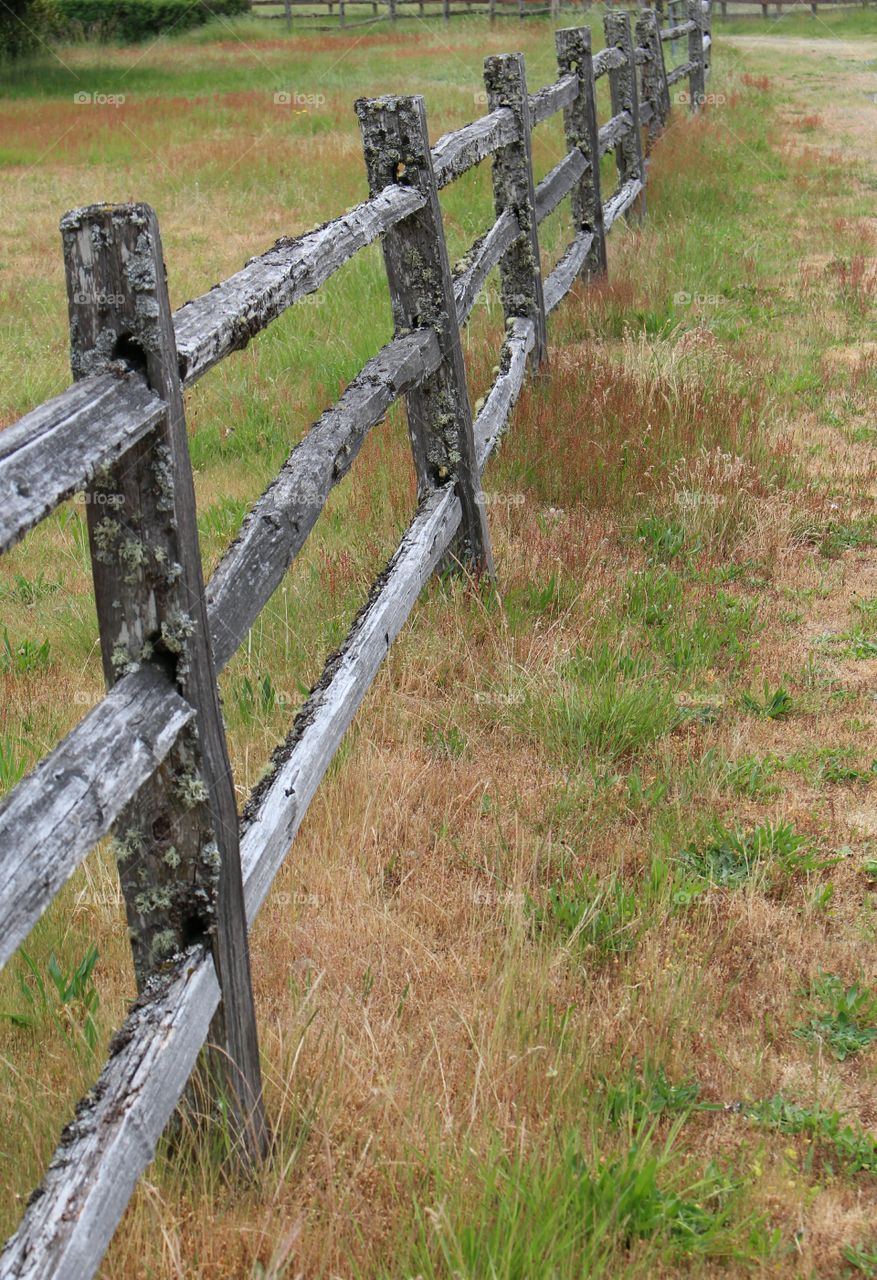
(149, 762)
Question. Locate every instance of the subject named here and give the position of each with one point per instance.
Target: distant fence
(345, 13)
(150, 760)
(392, 10)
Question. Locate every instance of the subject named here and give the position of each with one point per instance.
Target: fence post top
(504, 61)
(572, 40)
(616, 25)
(130, 211)
(391, 104)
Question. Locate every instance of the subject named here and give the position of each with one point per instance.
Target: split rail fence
(393, 10)
(150, 762)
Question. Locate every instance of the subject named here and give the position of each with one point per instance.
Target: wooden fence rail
(150, 761)
(393, 10)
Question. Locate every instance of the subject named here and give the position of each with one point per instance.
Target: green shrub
(23, 24)
(132, 20)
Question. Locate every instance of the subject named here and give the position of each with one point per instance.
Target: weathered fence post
(287, 5)
(391, 10)
(520, 270)
(695, 54)
(396, 145)
(177, 842)
(573, 46)
(624, 97)
(654, 72)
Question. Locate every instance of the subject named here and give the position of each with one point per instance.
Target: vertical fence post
(624, 96)
(391, 10)
(342, 17)
(707, 19)
(177, 841)
(287, 5)
(695, 54)
(520, 269)
(656, 91)
(580, 127)
(396, 145)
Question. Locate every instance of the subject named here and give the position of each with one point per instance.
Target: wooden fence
(393, 10)
(150, 760)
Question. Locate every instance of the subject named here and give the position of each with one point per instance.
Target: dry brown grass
(408, 1013)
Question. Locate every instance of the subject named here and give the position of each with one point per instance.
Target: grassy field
(571, 969)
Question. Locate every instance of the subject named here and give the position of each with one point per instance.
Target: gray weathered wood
(50, 821)
(513, 188)
(620, 202)
(278, 804)
(178, 852)
(612, 132)
(679, 73)
(564, 275)
(607, 60)
(69, 1223)
(58, 448)
(580, 127)
(677, 32)
(456, 152)
(493, 418)
(625, 99)
(553, 98)
(275, 530)
(471, 272)
(655, 90)
(233, 312)
(558, 183)
(696, 79)
(70, 1219)
(396, 145)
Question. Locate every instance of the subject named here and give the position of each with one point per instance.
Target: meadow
(570, 970)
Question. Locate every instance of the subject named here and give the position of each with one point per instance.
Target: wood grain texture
(493, 418)
(278, 804)
(558, 183)
(457, 152)
(50, 821)
(573, 46)
(612, 132)
(624, 95)
(655, 96)
(276, 528)
(230, 314)
(422, 294)
(70, 1219)
(59, 448)
(607, 60)
(567, 270)
(696, 56)
(676, 33)
(520, 269)
(472, 271)
(553, 98)
(679, 73)
(621, 201)
(177, 842)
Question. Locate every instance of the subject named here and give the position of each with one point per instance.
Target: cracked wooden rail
(151, 742)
